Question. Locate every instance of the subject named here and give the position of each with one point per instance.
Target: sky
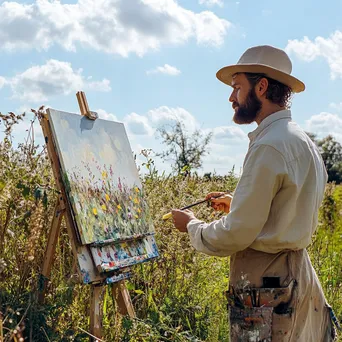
(146, 63)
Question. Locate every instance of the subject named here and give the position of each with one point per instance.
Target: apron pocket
(250, 324)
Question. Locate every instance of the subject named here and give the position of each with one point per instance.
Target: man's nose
(232, 97)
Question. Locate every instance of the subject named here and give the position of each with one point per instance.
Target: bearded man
(274, 292)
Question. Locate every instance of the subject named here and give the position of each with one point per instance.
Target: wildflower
(138, 210)
(103, 206)
(107, 197)
(95, 211)
(136, 189)
(136, 216)
(104, 174)
(119, 206)
(135, 200)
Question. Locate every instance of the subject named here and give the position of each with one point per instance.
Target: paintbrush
(168, 215)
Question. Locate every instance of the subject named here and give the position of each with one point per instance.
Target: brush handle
(168, 215)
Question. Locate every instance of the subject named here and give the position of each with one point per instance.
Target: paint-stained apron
(296, 311)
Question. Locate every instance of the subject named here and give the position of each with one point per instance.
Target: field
(178, 297)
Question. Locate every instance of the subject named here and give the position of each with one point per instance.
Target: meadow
(177, 297)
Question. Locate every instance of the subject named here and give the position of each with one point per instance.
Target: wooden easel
(63, 209)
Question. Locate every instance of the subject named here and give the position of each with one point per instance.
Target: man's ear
(261, 87)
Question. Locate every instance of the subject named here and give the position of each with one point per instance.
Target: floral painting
(101, 179)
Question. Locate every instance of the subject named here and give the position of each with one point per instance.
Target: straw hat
(268, 60)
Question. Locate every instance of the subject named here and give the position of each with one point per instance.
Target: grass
(177, 297)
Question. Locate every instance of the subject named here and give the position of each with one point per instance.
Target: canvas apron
(294, 311)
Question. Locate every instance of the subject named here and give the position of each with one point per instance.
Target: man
(274, 292)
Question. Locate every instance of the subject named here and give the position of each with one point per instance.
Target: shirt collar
(282, 114)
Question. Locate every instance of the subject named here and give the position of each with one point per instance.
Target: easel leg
(50, 250)
(95, 312)
(123, 299)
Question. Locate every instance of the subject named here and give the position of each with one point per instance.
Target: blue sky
(146, 62)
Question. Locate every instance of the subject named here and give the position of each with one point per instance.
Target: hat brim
(225, 75)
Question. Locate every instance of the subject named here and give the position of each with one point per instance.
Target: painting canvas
(111, 215)
(101, 178)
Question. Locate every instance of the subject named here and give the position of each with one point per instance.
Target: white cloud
(166, 69)
(223, 157)
(229, 134)
(168, 116)
(2, 81)
(112, 26)
(211, 2)
(138, 124)
(106, 116)
(328, 48)
(324, 124)
(337, 106)
(41, 82)
(147, 124)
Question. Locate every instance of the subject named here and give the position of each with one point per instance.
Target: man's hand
(181, 218)
(222, 203)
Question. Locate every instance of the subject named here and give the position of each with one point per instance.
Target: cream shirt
(275, 204)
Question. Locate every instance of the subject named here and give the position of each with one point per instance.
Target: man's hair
(276, 92)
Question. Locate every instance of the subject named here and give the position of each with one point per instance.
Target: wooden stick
(84, 108)
(1, 329)
(82, 102)
(95, 312)
(123, 299)
(51, 248)
(96, 338)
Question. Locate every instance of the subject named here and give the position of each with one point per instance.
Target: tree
(185, 150)
(331, 151)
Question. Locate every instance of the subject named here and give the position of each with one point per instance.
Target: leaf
(26, 191)
(139, 292)
(20, 185)
(38, 194)
(45, 200)
(2, 184)
(127, 323)
(129, 286)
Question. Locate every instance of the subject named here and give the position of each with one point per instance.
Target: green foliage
(178, 297)
(331, 151)
(326, 248)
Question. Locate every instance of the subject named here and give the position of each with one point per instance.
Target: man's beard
(247, 112)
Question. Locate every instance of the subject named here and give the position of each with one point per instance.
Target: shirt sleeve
(263, 173)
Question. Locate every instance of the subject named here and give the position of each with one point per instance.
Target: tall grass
(178, 297)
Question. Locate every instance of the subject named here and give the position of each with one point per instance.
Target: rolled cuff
(195, 228)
